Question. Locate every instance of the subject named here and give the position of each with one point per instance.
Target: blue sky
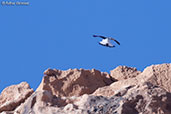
(58, 34)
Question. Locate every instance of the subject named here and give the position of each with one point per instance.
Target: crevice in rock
(33, 102)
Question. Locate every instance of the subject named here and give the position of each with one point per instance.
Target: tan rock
(159, 75)
(145, 99)
(92, 92)
(73, 82)
(43, 102)
(141, 99)
(124, 72)
(112, 89)
(14, 95)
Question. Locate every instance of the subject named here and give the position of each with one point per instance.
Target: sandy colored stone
(80, 91)
(110, 90)
(84, 104)
(145, 98)
(141, 99)
(73, 82)
(159, 75)
(41, 102)
(124, 72)
(14, 95)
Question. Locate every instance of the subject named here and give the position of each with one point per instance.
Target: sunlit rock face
(12, 96)
(74, 82)
(124, 72)
(124, 91)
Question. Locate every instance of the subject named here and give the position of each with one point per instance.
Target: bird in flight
(106, 41)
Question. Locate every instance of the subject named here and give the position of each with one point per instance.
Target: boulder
(74, 82)
(14, 95)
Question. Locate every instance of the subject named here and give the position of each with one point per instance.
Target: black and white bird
(106, 41)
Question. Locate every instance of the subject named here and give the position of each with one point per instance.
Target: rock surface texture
(124, 91)
(14, 95)
(124, 72)
(74, 82)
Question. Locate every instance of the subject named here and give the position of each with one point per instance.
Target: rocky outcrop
(14, 95)
(159, 75)
(124, 72)
(140, 99)
(124, 91)
(110, 90)
(73, 82)
(85, 104)
(144, 99)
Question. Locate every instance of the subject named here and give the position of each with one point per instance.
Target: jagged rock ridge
(124, 91)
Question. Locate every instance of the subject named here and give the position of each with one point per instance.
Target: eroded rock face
(144, 99)
(14, 95)
(159, 75)
(86, 104)
(73, 82)
(124, 72)
(110, 90)
(41, 102)
(140, 99)
(92, 92)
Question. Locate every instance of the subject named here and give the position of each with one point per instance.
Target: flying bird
(106, 41)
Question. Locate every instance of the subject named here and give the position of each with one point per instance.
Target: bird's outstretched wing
(99, 36)
(115, 41)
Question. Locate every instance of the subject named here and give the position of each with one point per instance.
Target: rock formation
(124, 72)
(124, 91)
(12, 96)
(74, 82)
(159, 75)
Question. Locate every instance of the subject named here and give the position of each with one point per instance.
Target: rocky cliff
(77, 91)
